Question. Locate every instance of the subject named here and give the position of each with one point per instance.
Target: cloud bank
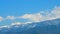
(43, 15)
(37, 17)
(33, 17)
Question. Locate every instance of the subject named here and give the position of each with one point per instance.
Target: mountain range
(44, 27)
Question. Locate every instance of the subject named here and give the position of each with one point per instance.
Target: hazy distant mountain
(45, 27)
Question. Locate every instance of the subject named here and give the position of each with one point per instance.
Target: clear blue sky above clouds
(21, 7)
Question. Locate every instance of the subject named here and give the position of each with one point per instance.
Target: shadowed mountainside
(45, 27)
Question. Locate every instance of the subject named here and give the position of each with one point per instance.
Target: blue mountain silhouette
(44, 27)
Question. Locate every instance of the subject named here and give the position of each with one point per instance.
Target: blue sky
(21, 7)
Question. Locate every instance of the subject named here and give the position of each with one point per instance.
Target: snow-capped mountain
(44, 27)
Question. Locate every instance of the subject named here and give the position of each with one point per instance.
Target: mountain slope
(45, 27)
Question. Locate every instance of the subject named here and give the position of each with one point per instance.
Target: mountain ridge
(51, 26)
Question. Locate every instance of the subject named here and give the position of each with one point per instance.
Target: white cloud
(56, 12)
(5, 26)
(10, 17)
(16, 23)
(1, 18)
(43, 15)
(33, 17)
(20, 23)
(27, 23)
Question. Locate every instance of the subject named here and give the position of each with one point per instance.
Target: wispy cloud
(56, 12)
(33, 17)
(5, 26)
(16, 23)
(37, 17)
(20, 23)
(10, 18)
(41, 16)
(1, 18)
